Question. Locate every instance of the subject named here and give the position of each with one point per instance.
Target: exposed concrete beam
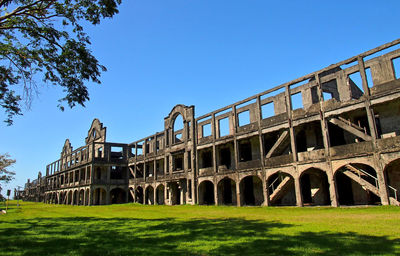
(363, 183)
(350, 129)
(281, 189)
(281, 138)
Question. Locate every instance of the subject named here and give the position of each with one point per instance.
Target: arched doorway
(139, 195)
(75, 198)
(149, 195)
(160, 194)
(226, 190)
(314, 187)
(392, 173)
(206, 193)
(99, 196)
(281, 190)
(118, 196)
(175, 193)
(81, 197)
(357, 184)
(61, 198)
(251, 191)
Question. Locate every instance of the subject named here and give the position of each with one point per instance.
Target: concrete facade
(331, 137)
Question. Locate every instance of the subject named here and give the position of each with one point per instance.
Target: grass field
(131, 229)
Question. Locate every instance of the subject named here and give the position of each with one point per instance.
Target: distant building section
(331, 137)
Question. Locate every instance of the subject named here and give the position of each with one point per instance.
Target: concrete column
(265, 191)
(215, 192)
(383, 186)
(73, 198)
(90, 200)
(332, 188)
(299, 199)
(291, 129)
(108, 174)
(155, 195)
(238, 193)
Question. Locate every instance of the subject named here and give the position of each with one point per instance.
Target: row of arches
(352, 184)
(97, 196)
(356, 184)
(148, 195)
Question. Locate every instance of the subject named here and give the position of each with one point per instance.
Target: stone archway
(357, 184)
(314, 187)
(392, 175)
(160, 191)
(281, 189)
(206, 193)
(118, 196)
(251, 191)
(81, 197)
(226, 192)
(99, 196)
(139, 195)
(149, 195)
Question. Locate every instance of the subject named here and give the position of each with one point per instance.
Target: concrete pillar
(299, 199)
(215, 192)
(383, 186)
(155, 194)
(238, 193)
(265, 191)
(108, 174)
(332, 188)
(73, 197)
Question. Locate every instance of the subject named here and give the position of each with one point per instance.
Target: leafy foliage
(5, 163)
(46, 38)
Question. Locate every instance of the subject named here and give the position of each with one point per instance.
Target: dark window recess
(139, 171)
(190, 188)
(245, 152)
(189, 159)
(178, 163)
(207, 159)
(225, 156)
(116, 173)
(301, 141)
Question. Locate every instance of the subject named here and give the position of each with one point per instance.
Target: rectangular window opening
(267, 110)
(117, 152)
(206, 129)
(297, 101)
(327, 95)
(178, 137)
(396, 67)
(244, 118)
(223, 127)
(355, 82)
(369, 77)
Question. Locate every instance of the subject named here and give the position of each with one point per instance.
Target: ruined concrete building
(331, 137)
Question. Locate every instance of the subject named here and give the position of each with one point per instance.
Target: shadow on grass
(127, 236)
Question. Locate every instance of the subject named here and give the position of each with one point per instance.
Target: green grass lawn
(132, 229)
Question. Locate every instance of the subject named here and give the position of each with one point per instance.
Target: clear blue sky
(206, 53)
